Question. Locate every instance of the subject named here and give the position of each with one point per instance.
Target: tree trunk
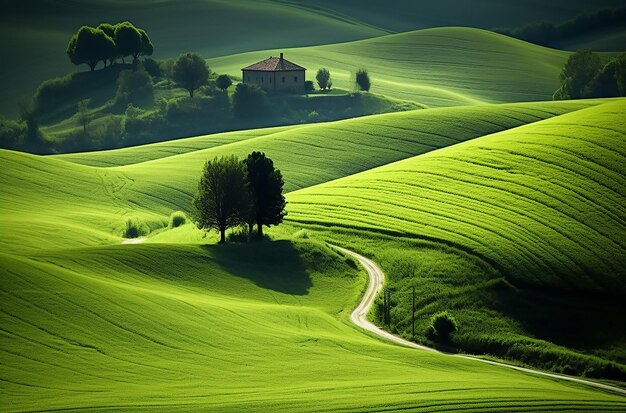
(190, 92)
(250, 230)
(223, 235)
(92, 66)
(259, 229)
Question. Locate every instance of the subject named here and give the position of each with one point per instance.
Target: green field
(551, 189)
(434, 67)
(90, 324)
(519, 233)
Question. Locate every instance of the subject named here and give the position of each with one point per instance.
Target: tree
(323, 78)
(363, 80)
(580, 69)
(223, 82)
(147, 48)
(222, 199)
(83, 114)
(109, 30)
(266, 191)
(89, 46)
(128, 40)
(190, 72)
(249, 101)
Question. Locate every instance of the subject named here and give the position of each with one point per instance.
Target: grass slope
(151, 190)
(226, 328)
(544, 203)
(434, 67)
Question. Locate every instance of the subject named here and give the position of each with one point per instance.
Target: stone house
(275, 73)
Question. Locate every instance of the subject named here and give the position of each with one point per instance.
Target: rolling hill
(92, 324)
(544, 203)
(434, 67)
(152, 181)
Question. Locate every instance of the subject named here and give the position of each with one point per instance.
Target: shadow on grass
(274, 265)
(577, 320)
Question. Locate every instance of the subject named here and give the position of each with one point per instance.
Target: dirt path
(375, 284)
(134, 240)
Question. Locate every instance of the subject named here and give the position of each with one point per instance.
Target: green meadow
(520, 232)
(90, 324)
(457, 174)
(434, 67)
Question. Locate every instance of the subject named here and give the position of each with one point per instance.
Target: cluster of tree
(233, 192)
(550, 34)
(362, 79)
(107, 43)
(585, 76)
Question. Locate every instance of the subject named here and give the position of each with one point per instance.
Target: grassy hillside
(179, 327)
(435, 67)
(543, 202)
(92, 324)
(519, 234)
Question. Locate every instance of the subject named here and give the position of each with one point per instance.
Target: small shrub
(134, 87)
(309, 86)
(239, 234)
(363, 80)
(441, 326)
(152, 67)
(177, 219)
(133, 229)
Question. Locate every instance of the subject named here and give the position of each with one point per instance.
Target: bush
(134, 87)
(249, 101)
(441, 326)
(239, 234)
(152, 67)
(177, 219)
(309, 86)
(133, 229)
(223, 82)
(363, 80)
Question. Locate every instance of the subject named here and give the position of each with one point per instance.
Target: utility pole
(413, 314)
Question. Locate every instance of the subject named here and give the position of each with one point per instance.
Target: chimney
(281, 55)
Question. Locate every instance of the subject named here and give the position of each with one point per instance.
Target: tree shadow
(582, 321)
(274, 265)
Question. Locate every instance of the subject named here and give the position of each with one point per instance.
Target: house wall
(286, 80)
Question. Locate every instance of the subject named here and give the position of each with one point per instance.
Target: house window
(295, 79)
(283, 79)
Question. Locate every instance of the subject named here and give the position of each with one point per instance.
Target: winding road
(375, 284)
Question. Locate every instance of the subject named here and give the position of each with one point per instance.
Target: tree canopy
(580, 69)
(266, 191)
(222, 200)
(108, 42)
(585, 75)
(223, 82)
(190, 72)
(90, 46)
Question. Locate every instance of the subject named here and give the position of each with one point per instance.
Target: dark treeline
(551, 35)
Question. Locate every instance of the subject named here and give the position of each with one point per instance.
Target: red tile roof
(274, 64)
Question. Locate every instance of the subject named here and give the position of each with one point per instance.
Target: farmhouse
(275, 73)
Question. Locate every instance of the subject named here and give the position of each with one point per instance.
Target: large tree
(89, 46)
(190, 72)
(131, 41)
(266, 191)
(579, 70)
(323, 78)
(222, 200)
